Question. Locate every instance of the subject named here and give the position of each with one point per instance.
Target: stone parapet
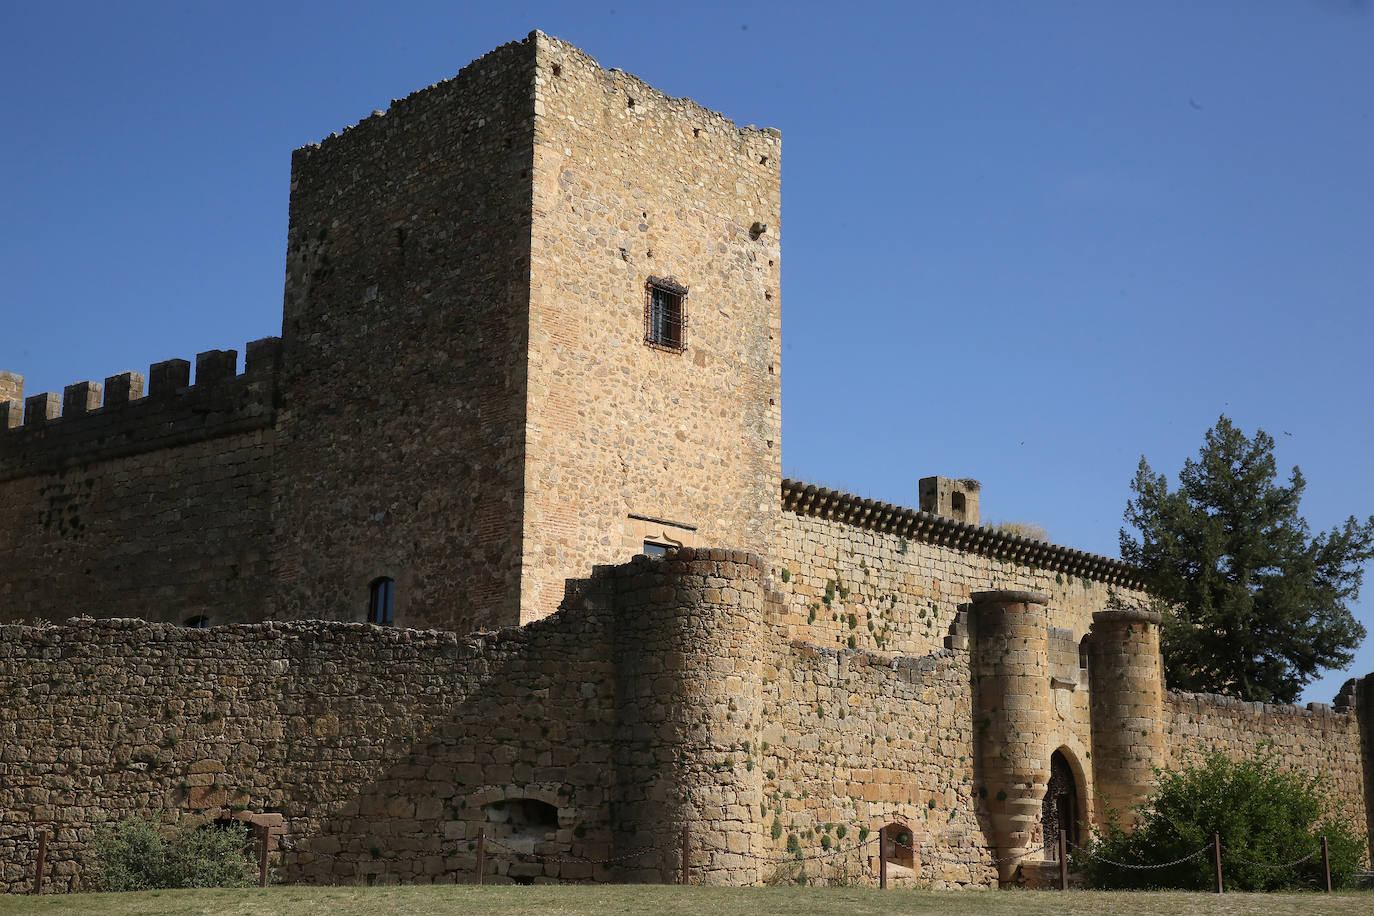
(75, 427)
(809, 499)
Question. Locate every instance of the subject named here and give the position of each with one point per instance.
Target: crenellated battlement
(90, 420)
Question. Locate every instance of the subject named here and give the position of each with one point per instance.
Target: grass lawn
(550, 900)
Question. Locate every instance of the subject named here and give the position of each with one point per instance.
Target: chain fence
(1138, 866)
(892, 845)
(920, 854)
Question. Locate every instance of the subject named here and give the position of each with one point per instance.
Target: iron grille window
(665, 314)
(379, 602)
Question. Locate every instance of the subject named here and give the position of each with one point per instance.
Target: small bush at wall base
(1265, 813)
(132, 855)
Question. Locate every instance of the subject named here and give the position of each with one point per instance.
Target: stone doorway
(1060, 809)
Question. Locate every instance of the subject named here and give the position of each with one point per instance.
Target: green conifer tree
(1253, 605)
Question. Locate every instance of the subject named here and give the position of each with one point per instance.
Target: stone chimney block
(949, 498)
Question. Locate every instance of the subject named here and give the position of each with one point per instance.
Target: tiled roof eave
(808, 499)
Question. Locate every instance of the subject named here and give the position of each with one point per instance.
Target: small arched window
(198, 622)
(1084, 650)
(381, 601)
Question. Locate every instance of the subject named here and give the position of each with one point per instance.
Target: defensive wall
(1327, 739)
(592, 733)
(668, 691)
(156, 503)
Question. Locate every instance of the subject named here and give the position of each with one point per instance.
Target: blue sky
(1026, 243)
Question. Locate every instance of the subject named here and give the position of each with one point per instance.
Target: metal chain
(1090, 854)
(544, 857)
(789, 859)
(916, 850)
(1237, 858)
(634, 854)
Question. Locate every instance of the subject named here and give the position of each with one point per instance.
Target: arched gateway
(1060, 809)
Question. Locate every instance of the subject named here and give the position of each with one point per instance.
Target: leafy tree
(1267, 815)
(1253, 606)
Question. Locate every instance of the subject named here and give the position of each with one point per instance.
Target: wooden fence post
(264, 835)
(1326, 864)
(882, 857)
(1063, 860)
(481, 853)
(42, 861)
(686, 855)
(1216, 858)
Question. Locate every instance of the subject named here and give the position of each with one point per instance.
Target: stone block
(41, 408)
(168, 376)
(123, 388)
(80, 397)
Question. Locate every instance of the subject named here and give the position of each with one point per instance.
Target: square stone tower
(531, 324)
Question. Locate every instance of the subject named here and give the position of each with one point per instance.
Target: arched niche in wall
(522, 822)
(899, 845)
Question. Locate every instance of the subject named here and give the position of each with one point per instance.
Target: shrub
(1265, 813)
(132, 855)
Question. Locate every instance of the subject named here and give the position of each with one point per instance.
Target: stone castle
(495, 537)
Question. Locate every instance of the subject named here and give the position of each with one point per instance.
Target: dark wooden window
(665, 314)
(198, 622)
(380, 601)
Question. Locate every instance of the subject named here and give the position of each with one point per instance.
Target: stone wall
(404, 330)
(847, 584)
(385, 749)
(1332, 742)
(631, 184)
(854, 741)
(154, 505)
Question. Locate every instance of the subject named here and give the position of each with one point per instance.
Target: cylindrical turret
(1127, 697)
(1012, 714)
(688, 714)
